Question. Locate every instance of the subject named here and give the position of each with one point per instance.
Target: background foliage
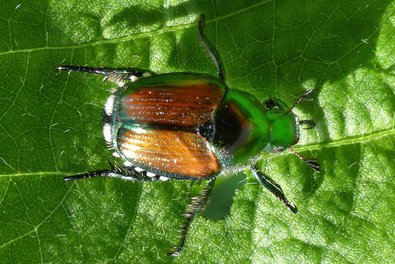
(50, 127)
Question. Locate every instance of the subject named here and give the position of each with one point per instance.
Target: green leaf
(50, 127)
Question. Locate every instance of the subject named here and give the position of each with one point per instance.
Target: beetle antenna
(311, 162)
(301, 98)
(212, 52)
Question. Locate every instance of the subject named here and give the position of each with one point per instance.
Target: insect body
(191, 126)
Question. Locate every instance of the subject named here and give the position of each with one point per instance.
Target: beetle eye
(270, 104)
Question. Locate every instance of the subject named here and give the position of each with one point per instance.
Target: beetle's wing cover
(173, 152)
(166, 124)
(177, 101)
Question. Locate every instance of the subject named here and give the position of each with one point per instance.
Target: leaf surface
(50, 127)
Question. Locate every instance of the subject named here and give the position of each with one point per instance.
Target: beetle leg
(131, 173)
(117, 75)
(197, 203)
(212, 52)
(273, 187)
(307, 124)
(311, 162)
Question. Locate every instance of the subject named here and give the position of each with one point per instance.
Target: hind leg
(197, 203)
(119, 76)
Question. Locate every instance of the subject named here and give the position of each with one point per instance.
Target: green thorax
(244, 128)
(241, 128)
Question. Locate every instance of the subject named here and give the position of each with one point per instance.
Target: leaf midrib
(310, 147)
(349, 140)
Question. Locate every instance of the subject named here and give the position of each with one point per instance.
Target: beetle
(191, 126)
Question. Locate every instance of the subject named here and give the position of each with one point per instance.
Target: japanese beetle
(191, 126)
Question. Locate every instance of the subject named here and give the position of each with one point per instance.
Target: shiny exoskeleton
(191, 126)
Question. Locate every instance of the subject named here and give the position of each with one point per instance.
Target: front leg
(273, 187)
(197, 203)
